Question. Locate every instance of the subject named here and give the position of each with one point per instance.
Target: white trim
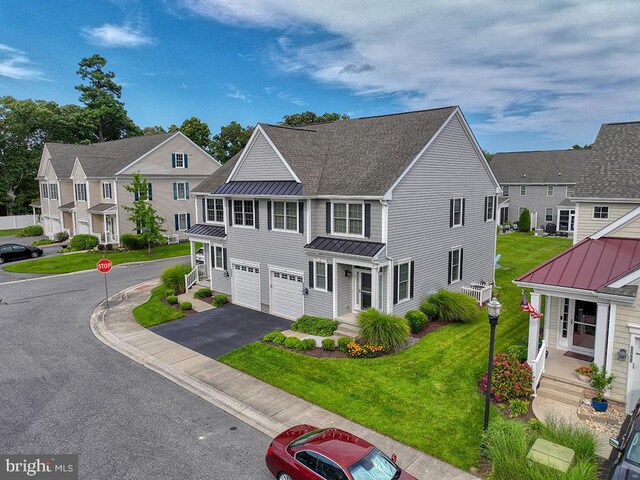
(213, 258)
(577, 294)
(397, 280)
(273, 216)
(355, 300)
(246, 263)
(605, 200)
(613, 226)
(185, 222)
(315, 274)
(634, 334)
(626, 280)
(308, 219)
(334, 294)
(459, 250)
(347, 234)
(575, 224)
(247, 148)
(233, 213)
(175, 154)
(385, 221)
(205, 214)
(593, 213)
(102, 185)
(178, 198)
(610, 336)
(453, 212)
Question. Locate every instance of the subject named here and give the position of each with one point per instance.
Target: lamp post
(493, 308)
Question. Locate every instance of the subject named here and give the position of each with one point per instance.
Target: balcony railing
(537, 366)
(480, 291)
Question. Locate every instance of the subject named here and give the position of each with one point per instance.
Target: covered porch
(104, 222)
(208, 255)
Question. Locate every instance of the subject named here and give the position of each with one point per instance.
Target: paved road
(63, 391)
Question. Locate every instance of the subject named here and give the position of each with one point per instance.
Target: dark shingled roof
(102, 159)
(362, 156)
(260, 188)
(550, 166)
(347, 247)
(614, 168)
(101, 207)
(207, 230)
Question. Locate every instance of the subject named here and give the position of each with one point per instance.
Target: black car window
(633, 449)
(18, 248)
(329, 469)
(5, 249)
(307, 459)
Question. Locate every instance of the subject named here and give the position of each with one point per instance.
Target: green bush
(377, 328)
(270, 336)
(518, 407)
(31, 231)
(168, 292)
(61, 237)
(509, 379)
(323, 327)
(429, 309)
(131, 241)
(524, 222)
(173, 277)
(307, 344)
(279, 339)
(172, 299)
(328, 344)
(83, 242)
(185, 306)
(416, 319)
(202, 293)
(39, 243)
(220, 299)
(293, 342)
(455, 306)
(519, 351)
(343, 342)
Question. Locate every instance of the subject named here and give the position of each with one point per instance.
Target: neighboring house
(592, 304)
(332, 219)
(82, 187)
(543, 182)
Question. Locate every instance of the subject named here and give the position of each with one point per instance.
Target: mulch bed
(432, 325)
(177, 308)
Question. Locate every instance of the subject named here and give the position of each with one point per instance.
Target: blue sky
(528, 75)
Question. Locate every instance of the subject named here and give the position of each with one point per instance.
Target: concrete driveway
(221, 330)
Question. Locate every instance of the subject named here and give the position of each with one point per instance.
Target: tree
(524, 222)
(198, 132)
(487, 155)
(231, 139)
(142, 214)
(153, 130)
(101, 96)
(311, 118)
(583, 147)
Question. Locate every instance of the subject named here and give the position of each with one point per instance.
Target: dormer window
(179, 160)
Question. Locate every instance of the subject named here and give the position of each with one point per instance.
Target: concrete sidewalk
(256, 403)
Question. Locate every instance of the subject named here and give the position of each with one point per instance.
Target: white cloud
(237, 94)
(109, 35)
(15, 64)
(553, 68)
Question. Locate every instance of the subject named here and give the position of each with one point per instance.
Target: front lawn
(10, 232)
(425, 396)
(87, 261)
(154, 312)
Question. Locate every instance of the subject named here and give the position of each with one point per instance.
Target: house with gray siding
(541, 181)
(332, 219)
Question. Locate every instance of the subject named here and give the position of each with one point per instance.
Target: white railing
(537, 366)
(191, 278)
(175, 238)
(481, 292)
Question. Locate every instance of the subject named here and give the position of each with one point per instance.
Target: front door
(583, 331)
(363, 289)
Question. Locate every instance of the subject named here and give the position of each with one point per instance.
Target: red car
(305, 452)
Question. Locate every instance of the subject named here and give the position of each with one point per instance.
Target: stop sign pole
(104, 266)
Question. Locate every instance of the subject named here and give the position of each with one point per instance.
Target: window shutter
(204, 210)
(230, 213)
(328, 222)
(186, 160)
(463, 205)
(175, 217)
(495, 207)
(367, 220)
(186, 190)
(461, 252)
(449, 269)
(329, 277)
(135, 195)
(301, 217)
(149, 191)
(486, 201)
(311, 277)
(188, 220)
(224, 258)
(451, 213)
(395, 284)
(411, 279)
(268, 214)
(175, 191)
(173, 160)
(256, 213)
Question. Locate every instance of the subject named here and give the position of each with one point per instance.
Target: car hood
(626, 472)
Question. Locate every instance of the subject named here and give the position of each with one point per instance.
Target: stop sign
(104, 265)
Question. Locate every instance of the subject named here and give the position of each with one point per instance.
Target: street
(64, 392)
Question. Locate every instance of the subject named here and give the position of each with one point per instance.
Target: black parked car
(627, 447)
(13, 251)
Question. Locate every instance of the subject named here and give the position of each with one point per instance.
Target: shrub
(328, 344)
(172, 300)
(131, 241)
(202, 293)
(173, 277)
(44, 241)
(519, 351)
(168, 292)
(109, 246)
(220, 299)
(455, 306)
(524, 222)
(429, 309)
(584, 370)
(61, 237)
(357, 350)
(315, 325)
(31, 231)
(510, 379)
(101, 246)
(185, 306)
(343, 342)
(83, 242)
(416, 319)
(279, 339)
(600, 381)
(307, 344)
(518, 407)
(270, 336)
(377, 328)
(293, 342)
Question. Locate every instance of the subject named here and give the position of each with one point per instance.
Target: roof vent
(524, 175)
(559, 174)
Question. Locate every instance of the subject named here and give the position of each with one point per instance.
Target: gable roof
(614, 168)
(544, 166)
(102, 159)
(355, 157)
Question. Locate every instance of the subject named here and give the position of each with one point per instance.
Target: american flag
(527, 307)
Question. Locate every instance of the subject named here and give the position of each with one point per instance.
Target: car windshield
(303, 439)
(374, 466)
(633, 449)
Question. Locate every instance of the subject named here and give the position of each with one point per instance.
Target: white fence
(191, 278)
(537, 366)
(479, 291)
(15, 221)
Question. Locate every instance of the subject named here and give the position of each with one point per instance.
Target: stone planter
(584, 378)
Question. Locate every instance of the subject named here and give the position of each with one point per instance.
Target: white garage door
(286, 295)
(246, 286)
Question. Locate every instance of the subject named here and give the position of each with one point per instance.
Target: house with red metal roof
(590, 291)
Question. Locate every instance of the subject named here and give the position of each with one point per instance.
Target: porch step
(560, 391)
(347, 330)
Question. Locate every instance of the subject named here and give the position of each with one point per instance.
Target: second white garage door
(286, 295)
(246, 286)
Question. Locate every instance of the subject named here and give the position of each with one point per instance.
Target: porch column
(375, 281)
(602, 321)
(192, 248)
(104, 227)
(611, 336)
(534, 329)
